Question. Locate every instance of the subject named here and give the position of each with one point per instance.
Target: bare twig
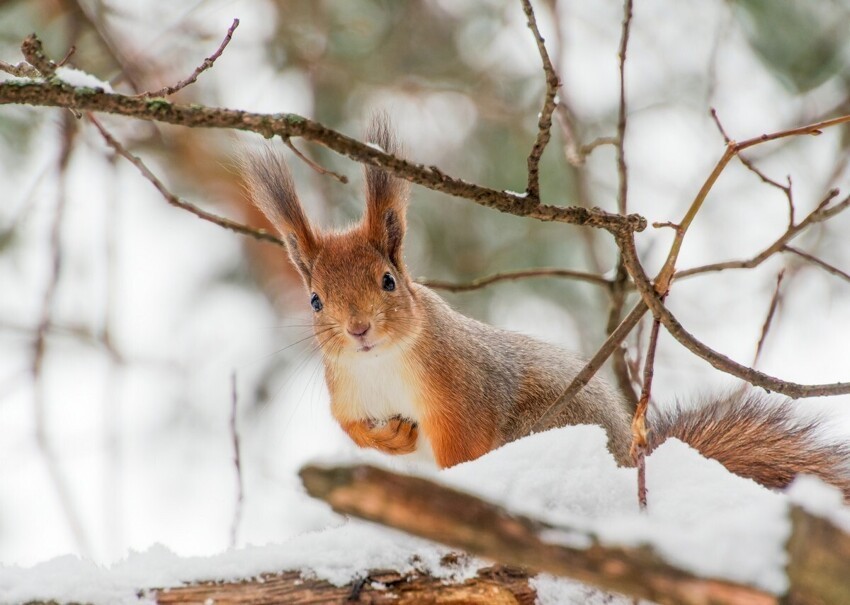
(21, 70)
(613, 341)
(544, 123)
(589, 148)
(63, 490)
(639, 430)
(129, 69)
(112, 404)
(34, 54)
(237, 462)
(768, 320)
(208, 63)
(665, 275)
(622, 169)
(635, 361)
(67, 56)
(258, 234)
(321, 170)
(618, 292)
(482, 282)
(785, 189)
(820, 214)
(651, 298)
(816, 261)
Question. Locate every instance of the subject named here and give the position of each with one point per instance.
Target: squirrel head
(359, 289)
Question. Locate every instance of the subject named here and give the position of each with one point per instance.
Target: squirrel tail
(757, 437)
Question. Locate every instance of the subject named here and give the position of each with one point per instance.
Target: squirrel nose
(358, 327)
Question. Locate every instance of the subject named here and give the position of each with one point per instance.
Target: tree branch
(820, 214)
(60, 94)
(483, 282)
(652, 299)
(439, 513)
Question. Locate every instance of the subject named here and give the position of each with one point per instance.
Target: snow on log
(427, 509)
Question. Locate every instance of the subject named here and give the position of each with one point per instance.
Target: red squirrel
(408, 373)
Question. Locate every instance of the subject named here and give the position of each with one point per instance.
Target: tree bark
(499, 585)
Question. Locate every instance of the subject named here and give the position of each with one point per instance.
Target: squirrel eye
(316, 302)
(389, 282)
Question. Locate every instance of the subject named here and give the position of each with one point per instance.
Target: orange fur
(396, 436)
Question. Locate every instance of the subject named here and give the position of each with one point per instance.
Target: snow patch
(338, 555)
(700, 518)
(552, 590)
(81, 79)
(821, 500)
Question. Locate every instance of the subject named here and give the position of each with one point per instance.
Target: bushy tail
(758, 437)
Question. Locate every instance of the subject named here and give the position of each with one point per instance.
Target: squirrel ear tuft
(273, 192)
(386, 196)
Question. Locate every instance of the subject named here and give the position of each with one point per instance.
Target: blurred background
(117, 436)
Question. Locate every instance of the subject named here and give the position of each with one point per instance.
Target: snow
(81, 79)
(552, 590)
(821, 500)
(516, 193)
(700, 518)
(337, 554)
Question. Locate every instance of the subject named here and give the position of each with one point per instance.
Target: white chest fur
(379, 385)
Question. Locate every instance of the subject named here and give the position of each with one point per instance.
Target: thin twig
(651, 298)
(208, 63)
(237, 462)
(768, 320)
(581, 379)
(665, 275)
(636, 361)
(63, 490)
(258, 234)
(112, 405)
(67, 56)
(544, 123)
(21, 70)
(618, 292)
(639, 429)
(33, 52)
(320, 169)
(576, 161)
(820, 214)
(785, 189)
(588, 148)
(483, 282)
(622, 169)
(816, 261)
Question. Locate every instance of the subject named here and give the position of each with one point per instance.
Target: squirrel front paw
(395, 436)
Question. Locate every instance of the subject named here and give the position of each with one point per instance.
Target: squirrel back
(406, 373)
